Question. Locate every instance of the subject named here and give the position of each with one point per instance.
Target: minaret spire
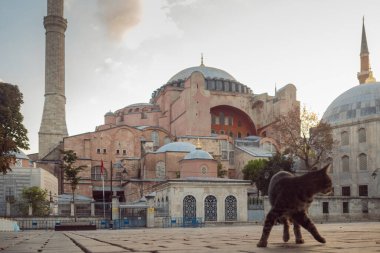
(364, 46)
(53, 124)
(202, 59)
(364, 57)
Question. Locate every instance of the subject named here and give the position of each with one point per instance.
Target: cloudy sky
(118, 52)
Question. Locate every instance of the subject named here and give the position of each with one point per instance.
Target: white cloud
(109, 65)
(155, 23)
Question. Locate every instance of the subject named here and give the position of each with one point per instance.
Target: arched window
(362, 161)
(345, 163)
(221, 118)
(213, 120)
(160, 170)
(329, 160)
(230, 208)
(96, 173)
(362, 135)
(154, 136)
(189, 207)
(210, 208)
(230, 121)
(344, 140)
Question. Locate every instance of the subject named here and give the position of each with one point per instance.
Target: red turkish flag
(101, 167)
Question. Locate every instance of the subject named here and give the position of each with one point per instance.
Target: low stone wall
(50, 222)
(8, 225)
(359, 209)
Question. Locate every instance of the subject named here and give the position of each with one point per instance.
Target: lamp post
(118, 165)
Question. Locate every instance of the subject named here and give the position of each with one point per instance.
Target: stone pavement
(341, 237)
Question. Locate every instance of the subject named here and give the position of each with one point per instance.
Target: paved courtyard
(341, 237)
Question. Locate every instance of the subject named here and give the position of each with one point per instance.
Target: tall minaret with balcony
(364, 58)
(53, 125)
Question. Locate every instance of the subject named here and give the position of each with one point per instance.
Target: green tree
(303, 135)
(72, 173)
(252, 171)
(273, 165)
(220, 171)
(37, 197)
(13, 134)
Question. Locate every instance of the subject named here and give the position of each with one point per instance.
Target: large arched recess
(231, 121)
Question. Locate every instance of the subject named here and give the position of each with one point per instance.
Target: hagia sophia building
(200, 120)
(200, 105)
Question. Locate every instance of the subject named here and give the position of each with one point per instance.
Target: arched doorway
(211, 208)
(230, 208)
(189, 207)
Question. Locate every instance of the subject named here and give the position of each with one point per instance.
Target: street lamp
(118, 165)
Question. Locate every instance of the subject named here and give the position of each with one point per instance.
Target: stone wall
(359, 209)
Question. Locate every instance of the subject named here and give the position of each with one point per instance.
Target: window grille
(363, 161)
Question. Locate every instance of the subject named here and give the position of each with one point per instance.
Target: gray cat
(290, 197)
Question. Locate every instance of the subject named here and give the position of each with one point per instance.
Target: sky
(118, 52)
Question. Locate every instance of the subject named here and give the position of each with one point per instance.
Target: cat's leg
(302, 219)
(297, 233)
(268, 224)
(285, 235)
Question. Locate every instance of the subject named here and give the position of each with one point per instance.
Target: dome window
(345, 164)
(362, 161)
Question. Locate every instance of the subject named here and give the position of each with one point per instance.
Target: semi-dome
(198, 154)
(176, 147)
(208, 72)
(358, 103)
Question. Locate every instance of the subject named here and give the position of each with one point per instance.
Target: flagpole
(102, 175)
(104, 204)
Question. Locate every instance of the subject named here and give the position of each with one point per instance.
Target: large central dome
(208, 72)
(358, 103)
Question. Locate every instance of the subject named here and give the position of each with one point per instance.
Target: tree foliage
(274, 164)
(13, 134)
(37, 197)
(303, 135)
(71, 171)
(253, 168)
(220, 171)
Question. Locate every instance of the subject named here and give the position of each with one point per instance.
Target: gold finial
(199, 146)
(370, 78)
(202, 59)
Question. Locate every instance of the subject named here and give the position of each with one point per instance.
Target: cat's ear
(325, 168)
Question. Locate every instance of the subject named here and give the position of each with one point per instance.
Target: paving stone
(341, 237)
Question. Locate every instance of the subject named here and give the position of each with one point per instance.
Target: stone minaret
(364, 58)
(53, 125)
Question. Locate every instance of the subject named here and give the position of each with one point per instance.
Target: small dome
(208, 72)
(109, 114)
(176, 147)
(358, 103)
(198, 154)
(19, 155)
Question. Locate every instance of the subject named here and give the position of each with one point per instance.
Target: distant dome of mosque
(198, 154)
(176, 147)
(208, 72)
(358, 103)
(109, 114)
